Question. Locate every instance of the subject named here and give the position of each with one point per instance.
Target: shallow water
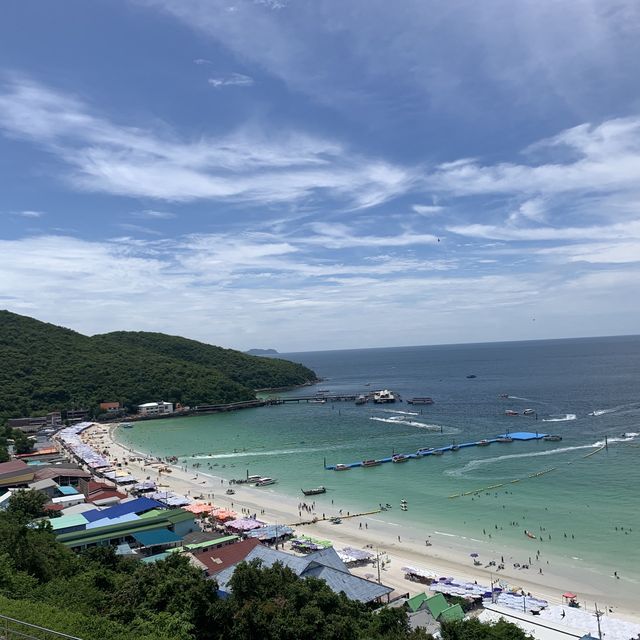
(564, 381)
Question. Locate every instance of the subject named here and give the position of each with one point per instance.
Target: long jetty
(319, 399)
(520, 436)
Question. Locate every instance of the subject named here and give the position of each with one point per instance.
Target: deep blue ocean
(580, 389)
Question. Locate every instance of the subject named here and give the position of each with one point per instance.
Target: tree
(27, 504)
(473, 629)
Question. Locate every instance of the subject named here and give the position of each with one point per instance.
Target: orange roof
(199, 507)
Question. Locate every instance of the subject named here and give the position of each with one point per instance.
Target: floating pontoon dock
(519, 435)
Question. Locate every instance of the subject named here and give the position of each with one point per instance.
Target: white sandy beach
(399, 546)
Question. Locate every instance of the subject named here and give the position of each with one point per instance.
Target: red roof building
(215, 560)
(15, 473)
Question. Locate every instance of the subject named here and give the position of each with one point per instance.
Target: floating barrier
(532, 475)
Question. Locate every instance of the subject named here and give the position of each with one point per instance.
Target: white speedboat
(263, 482)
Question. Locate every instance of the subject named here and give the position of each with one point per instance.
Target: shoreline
(400, 545)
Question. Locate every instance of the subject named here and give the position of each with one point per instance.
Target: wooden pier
(317, 399)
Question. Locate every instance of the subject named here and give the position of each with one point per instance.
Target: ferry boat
(384, 396)
(510, 412)
(370, 463)
(483, 443)
(253, 479)
(552, 438)
(528, 412)
(263, 482)
(420, 400)
(314, 492)
(399, 458)
(342, 467)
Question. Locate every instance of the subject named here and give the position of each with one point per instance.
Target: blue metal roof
(139, 505)
(156, 536)
(67, 490)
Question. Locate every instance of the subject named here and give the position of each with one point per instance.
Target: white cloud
(341, 236)
(427, 209)
(599, 158)
(244, 166)
(136, 228)
(616, 231)
(231, 80)
(192, 279)
(29, 213)
(152, 214)
(201, 61)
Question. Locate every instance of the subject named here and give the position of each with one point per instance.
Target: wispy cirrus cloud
(152, 214)
(28, 213)
(260, 285)
(246, 166)
(231, 80)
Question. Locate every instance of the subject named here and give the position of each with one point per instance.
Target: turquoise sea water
(564, 381)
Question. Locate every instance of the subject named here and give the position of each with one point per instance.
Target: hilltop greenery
(47, 368)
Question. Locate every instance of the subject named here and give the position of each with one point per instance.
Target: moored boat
(528, 412)
(263, 482)
(424, 451)
(552, 438)
(384, 396)
(420, 400)
(399, 458)
(342, 467)
(361, 399)
(510, 412)
(455, 447)
(483, 443)
(504, 439)
(370, 463)
(314, 492)
(437, 452)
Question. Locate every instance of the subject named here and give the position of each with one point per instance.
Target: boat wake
(565, 418)
(601, 412)
(404, 413)
(248, 454)
(414, 423)
(475, 464)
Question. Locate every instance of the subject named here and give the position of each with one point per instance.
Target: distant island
(49, 368)
(262, 352)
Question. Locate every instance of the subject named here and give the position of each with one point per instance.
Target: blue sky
(320, 174)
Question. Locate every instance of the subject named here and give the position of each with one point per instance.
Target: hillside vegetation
(46, 367)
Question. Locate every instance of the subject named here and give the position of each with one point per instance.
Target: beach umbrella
(569, 595)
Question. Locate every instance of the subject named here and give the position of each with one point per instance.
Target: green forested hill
(44, 367)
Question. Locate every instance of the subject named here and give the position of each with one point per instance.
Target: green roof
(437, 604)
(152, 514)
(120, 530)
(452, 613)
(203, 545)
(416, 602)
(71, 520)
